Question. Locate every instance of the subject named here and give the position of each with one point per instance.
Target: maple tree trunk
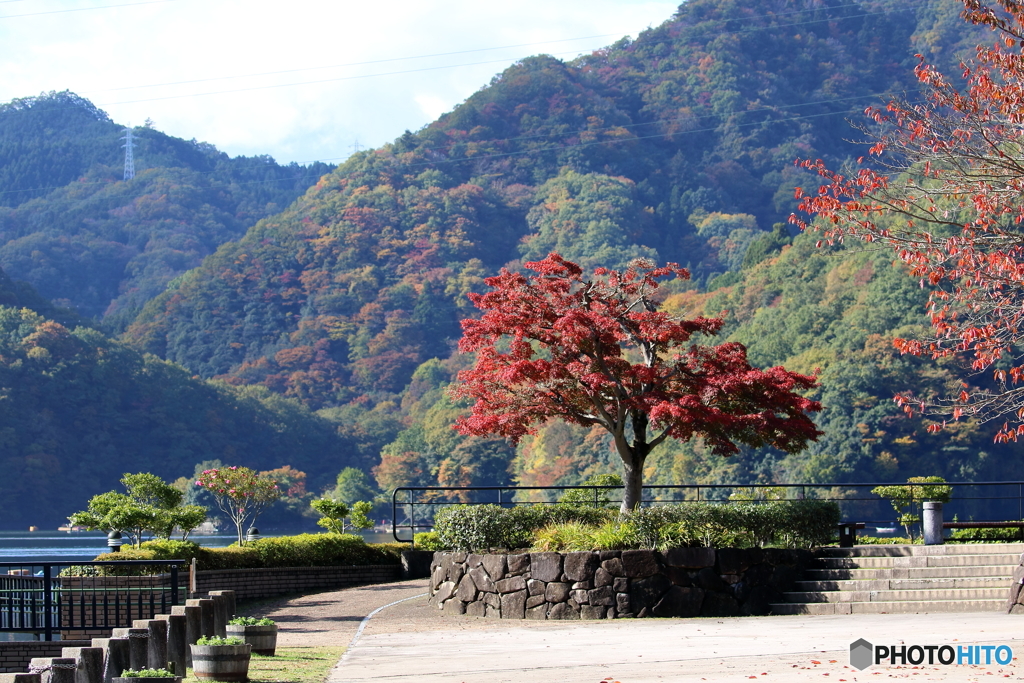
(633, 478)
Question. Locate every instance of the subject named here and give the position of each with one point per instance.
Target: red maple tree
(598, 352)
(947, 195)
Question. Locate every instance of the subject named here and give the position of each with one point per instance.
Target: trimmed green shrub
(810, 523)
(469, 527)
(560, 512)
(427, 540)
(146, 673)
(795, 523)
(303, 550)
(652, 527)
(711, 525)
(598, 498)
(761, 522)
(482, 527)
(986, 535)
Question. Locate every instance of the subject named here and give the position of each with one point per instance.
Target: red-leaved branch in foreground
(948, 198)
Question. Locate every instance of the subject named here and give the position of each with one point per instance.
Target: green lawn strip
(292, 665)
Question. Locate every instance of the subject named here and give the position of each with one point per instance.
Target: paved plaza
(408, 641)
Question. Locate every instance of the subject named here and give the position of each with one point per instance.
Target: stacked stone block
(15, 655)
(684, 582)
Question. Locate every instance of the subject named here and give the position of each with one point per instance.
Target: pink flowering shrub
(240, 492)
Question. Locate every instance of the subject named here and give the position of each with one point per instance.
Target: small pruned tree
(597, 351)
(337, 517)
(906, 498)
(241, 493)
(150, 505)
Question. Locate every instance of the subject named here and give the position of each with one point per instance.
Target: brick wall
(15, 656)
(268, 583)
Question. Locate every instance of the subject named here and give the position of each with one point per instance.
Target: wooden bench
(848, 533)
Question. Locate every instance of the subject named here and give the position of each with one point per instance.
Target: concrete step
(905, 579)
(916, 561)
(916, 607)
(931, 595)
(915, 550)
(909, 573)
(929, 583)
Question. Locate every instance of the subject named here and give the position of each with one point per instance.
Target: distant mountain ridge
(80, 234)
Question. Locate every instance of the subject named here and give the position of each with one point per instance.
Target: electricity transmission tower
(129, 158)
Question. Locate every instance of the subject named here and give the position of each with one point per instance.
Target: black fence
(53, 597)
(413, 507)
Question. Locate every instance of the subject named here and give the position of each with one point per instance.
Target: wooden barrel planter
(262, 638)
(221, 662)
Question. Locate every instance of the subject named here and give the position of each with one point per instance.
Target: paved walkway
(410, 641)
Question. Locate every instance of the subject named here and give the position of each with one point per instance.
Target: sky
(301, 81)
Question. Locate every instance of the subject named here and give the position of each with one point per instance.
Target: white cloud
(200, 57)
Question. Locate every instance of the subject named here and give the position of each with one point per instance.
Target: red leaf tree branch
(596, 351)
(948, 198)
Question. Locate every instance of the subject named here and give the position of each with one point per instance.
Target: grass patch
(292, 665)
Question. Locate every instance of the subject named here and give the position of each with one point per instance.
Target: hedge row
(475, 527)
(799, 523)
(303, 550)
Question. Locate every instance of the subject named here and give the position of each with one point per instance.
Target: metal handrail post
(174, 585)
(47, 603)
(394, 514)
(412, 517)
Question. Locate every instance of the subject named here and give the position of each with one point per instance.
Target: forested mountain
(80, 234)
(78, 409)
(678, 145)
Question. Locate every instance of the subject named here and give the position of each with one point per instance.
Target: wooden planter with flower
(221, 659)
(146, 676)
(260, 633)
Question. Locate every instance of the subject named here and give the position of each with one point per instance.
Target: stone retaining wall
(685, 582)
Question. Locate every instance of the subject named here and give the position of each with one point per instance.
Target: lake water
(17, 546)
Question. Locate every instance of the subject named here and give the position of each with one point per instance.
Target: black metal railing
(50, 597)
(413, 507)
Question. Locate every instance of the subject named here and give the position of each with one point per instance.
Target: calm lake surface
(16, 546)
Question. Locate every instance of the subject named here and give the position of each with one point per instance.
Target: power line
(350, 64)
(401, 59)
(82, 9)
(902, 8)
(325, 80)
